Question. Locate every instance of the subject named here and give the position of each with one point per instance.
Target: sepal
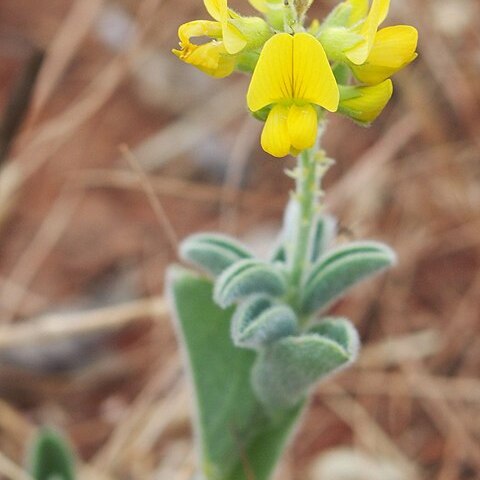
(341, 268)
(259, 321)
(337, 40)
(248, 277)
(212, 253)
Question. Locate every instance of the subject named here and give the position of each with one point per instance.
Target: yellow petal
(199, 28)
(302, 126)
(364, 104)
(394, 46)
(359, 10)
(218, 9)
(383, 8)
(275, 136)
(313, 79)
(393, 49)
(368, 30)
(272, 80)
(211, 58)
(233, 39)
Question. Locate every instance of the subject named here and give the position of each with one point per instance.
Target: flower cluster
(342, 64)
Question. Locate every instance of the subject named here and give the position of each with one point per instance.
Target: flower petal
(364, 104)
(359, 10)
(272, 79)
(368, 30)
(275, 135)
(313, 79)
(218, 9)
(394, 48)
(211, 58)
(198, 28)
(302, 126)
(233, 38)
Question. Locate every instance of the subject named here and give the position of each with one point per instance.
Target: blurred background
(104, 134)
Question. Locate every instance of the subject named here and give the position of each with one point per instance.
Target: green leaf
(212, 252)
(340, 330)
(279, 254)
(284, 371)
(341, 268)
(324, 233)
(248, 277)
(51, 457)
(259, 321)
(261, 456)
(235, 436)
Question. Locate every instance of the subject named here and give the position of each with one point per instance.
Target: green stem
(311, 167)
(306, 193)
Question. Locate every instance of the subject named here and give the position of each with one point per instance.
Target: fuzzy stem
(311, 167)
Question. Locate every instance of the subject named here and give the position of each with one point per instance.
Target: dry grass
(85, 339)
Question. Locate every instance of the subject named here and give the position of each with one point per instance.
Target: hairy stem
(311, 166)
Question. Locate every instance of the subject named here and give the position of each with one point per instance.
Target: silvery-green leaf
(228, 412)
(340, 330)
(279, 254)
(339, 269)
(324, 232)
(248, 277)
(284, 371)
(212, 252)
(259, 321)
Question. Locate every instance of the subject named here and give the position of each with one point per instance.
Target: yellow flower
(380, 53)
(350, 35)
(367, 29)
(230, 34)
(292, 76)
(364, 104)
(393, 49)
(212, 57)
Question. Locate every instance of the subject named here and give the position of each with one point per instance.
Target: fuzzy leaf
(341, 268)
(231, 426)
(279, 254)
(248, 277)
(284, 371)
(259, 321)
(51, 457)
(323, 235)
(212, 252)
(339, 330)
